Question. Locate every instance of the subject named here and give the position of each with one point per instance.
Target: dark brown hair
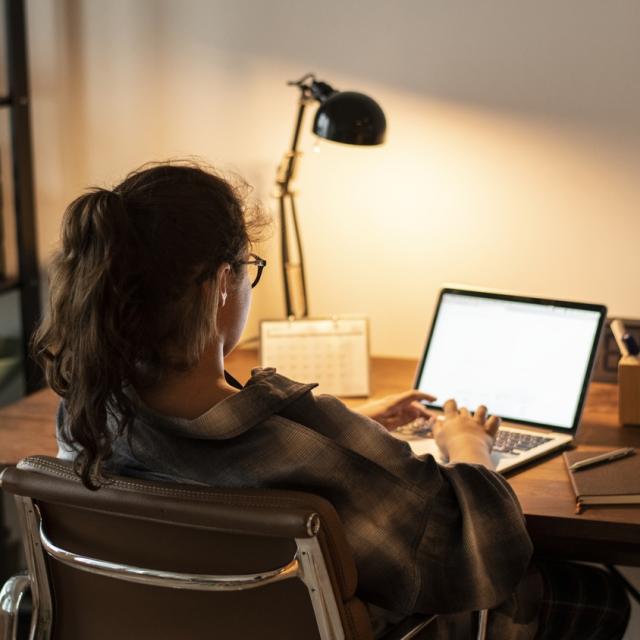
(125, 302)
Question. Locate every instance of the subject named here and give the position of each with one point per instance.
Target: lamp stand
(347, 117)
(293, 275)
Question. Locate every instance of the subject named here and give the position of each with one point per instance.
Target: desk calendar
(333, 352)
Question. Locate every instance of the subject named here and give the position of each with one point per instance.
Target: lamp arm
(284, 257)
(315, 91)
(292, 267)
(300, 266)
(293, 272)
(287, 168)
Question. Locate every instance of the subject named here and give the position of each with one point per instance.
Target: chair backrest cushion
(189, 529)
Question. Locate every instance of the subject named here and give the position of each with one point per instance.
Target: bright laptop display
(527, 359)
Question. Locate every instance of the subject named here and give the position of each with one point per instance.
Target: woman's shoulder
(270, 381)
(264, 395)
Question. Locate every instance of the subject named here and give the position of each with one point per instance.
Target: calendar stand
(334, 352)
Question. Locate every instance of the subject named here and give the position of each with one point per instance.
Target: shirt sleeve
(474, 541)
(464, 539)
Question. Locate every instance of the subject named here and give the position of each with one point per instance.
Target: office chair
(150, 560)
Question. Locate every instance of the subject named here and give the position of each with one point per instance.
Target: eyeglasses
(254, 268)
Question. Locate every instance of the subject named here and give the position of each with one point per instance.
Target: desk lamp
(343, 116)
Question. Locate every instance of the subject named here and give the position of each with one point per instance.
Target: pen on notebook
(604, 457)
(631, 344)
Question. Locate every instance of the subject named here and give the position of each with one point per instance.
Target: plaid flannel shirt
(425, 537)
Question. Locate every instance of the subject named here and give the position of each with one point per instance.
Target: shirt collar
(266, 393)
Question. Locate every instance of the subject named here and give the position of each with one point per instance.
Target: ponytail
(80, 345)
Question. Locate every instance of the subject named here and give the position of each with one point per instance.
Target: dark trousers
(582, 602)
(554, 601)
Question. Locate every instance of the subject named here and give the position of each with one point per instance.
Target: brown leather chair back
(77, 542)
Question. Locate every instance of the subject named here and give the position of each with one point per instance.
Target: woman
(149, 292)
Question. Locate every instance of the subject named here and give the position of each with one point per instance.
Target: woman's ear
(222, 282)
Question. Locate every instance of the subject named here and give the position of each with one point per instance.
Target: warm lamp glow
(347, 117)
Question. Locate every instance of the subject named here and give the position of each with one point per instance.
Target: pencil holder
(629, 390)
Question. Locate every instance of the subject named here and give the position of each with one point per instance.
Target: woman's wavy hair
(126, 302)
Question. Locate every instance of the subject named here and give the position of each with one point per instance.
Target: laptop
(529, 360)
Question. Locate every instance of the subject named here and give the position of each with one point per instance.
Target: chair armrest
(408, 628)
(10, 598)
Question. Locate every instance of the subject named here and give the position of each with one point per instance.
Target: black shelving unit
(17, 101)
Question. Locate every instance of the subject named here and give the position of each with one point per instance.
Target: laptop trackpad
(424, 446)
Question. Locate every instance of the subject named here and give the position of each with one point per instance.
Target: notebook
(611, 483)
(529, 360)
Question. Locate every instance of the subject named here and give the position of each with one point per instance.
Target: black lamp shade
(352, 118)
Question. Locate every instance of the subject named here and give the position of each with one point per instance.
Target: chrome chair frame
(11, 596)
(307, 565)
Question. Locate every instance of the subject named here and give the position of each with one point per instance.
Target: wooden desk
(602, 534)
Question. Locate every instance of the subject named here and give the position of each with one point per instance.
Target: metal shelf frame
(18, 103)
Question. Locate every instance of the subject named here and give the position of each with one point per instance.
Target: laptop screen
(528, 360)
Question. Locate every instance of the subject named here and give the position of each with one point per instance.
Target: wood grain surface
(603, 534)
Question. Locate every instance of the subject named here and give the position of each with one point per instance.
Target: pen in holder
(629, 390)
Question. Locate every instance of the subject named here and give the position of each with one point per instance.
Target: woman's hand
(398, 409)
(466, 438)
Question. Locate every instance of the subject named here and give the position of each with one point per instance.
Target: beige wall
(513, 154)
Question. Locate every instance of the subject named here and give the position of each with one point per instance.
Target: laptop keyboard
(515, 442)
